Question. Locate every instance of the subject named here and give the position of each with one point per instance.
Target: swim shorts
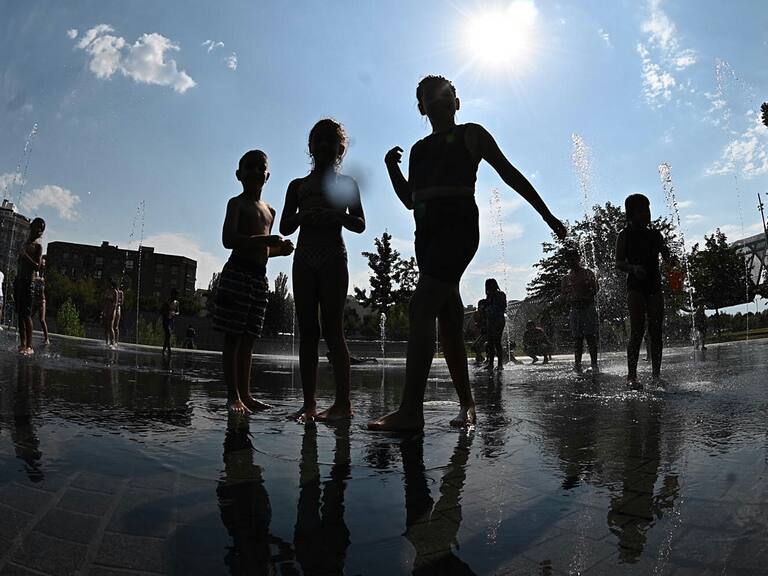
(241, 298)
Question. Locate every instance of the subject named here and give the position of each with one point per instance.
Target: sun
(500, 37)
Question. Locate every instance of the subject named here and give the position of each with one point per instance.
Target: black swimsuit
(447, 227)
(643, 248)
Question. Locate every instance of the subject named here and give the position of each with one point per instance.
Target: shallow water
(113, 462)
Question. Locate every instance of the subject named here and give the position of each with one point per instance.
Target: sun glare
(501, 37)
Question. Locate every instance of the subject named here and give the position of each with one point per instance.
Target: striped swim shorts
(241, 298)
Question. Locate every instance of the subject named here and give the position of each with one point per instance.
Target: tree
(764, 109)
(278, 317)
(719, 273)
(392, 280)
(68, 319)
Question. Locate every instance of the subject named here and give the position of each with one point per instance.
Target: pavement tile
(50, 555)
(85, 502)
(24, 498)
(69, 525)
(12, 521)
(97, 482)
(14, 570)
(143, 513)
(132, 552)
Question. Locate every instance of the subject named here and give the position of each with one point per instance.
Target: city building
(159, 272)
(14, 229)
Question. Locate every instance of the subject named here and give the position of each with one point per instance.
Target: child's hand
(285, 248)
(557, 227)
(274, 240)
(393, 157)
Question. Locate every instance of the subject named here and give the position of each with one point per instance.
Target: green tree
(279, 313)
(764, 109)
(393, 279)
(719, 273)
(68, 319)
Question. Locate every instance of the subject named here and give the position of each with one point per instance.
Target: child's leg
(43, 322)
(229, 358)
(655, 329)
(306, 300)
(497, 345)
(592, 346)
(28, 327)
(578, 351)
(451, 323)
(636, 302)
(427, 299)
(334, 282)
(243, 374)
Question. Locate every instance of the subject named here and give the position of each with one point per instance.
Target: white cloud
(211, 45)
(746, 154)
(144, 61)
(685, 204)
(72, 33)
(232, 61)
(661, 56)
(56, 197)
(8, 181)
(181, 244)
(693, 218)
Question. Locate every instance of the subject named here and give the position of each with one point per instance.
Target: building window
(99, 260)
(97, 274)
(129, 265)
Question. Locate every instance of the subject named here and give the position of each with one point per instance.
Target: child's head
(638, 209)
(436, 96)
(327, 144)
(36, 228)
(491, 286)
(253, 169)
(572, 257)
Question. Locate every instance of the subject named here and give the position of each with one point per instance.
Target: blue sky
(156, 101)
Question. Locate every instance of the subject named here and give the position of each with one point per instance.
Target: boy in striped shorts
(241, 297)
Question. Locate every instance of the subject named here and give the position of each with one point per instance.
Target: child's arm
(354, 220)
(37, 254)
(491, 153)
(399, 183)
(290, 218)
(234, 241)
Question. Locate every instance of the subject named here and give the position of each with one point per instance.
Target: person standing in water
(39, 288)
(440, 190)
(496, 319)
(638, 248)
(580, 287)
(23, 287)
(321, 204)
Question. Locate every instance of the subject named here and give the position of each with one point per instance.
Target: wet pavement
(112, 463)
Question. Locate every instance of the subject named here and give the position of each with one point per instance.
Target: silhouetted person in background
(496, 319)
(169, 310)
(118, 313)
(108, 310)
(40, 304)
(241, 297)
(637, 253)
(440, 190)
(580, 287)
(23, 287)
(190, 337)
(536, 343)
(320, 205)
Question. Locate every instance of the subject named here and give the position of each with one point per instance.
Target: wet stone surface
(116, 463)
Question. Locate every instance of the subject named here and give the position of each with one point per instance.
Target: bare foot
(398, 422)
(28, 351)
(466, 417)
(236, 406)
(255, 405)
(335, 413)
(304, 415)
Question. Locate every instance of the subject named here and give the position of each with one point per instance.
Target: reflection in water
(633, 511)
(244, 503)
(23, 433)
(321, 536)
(432, 527)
